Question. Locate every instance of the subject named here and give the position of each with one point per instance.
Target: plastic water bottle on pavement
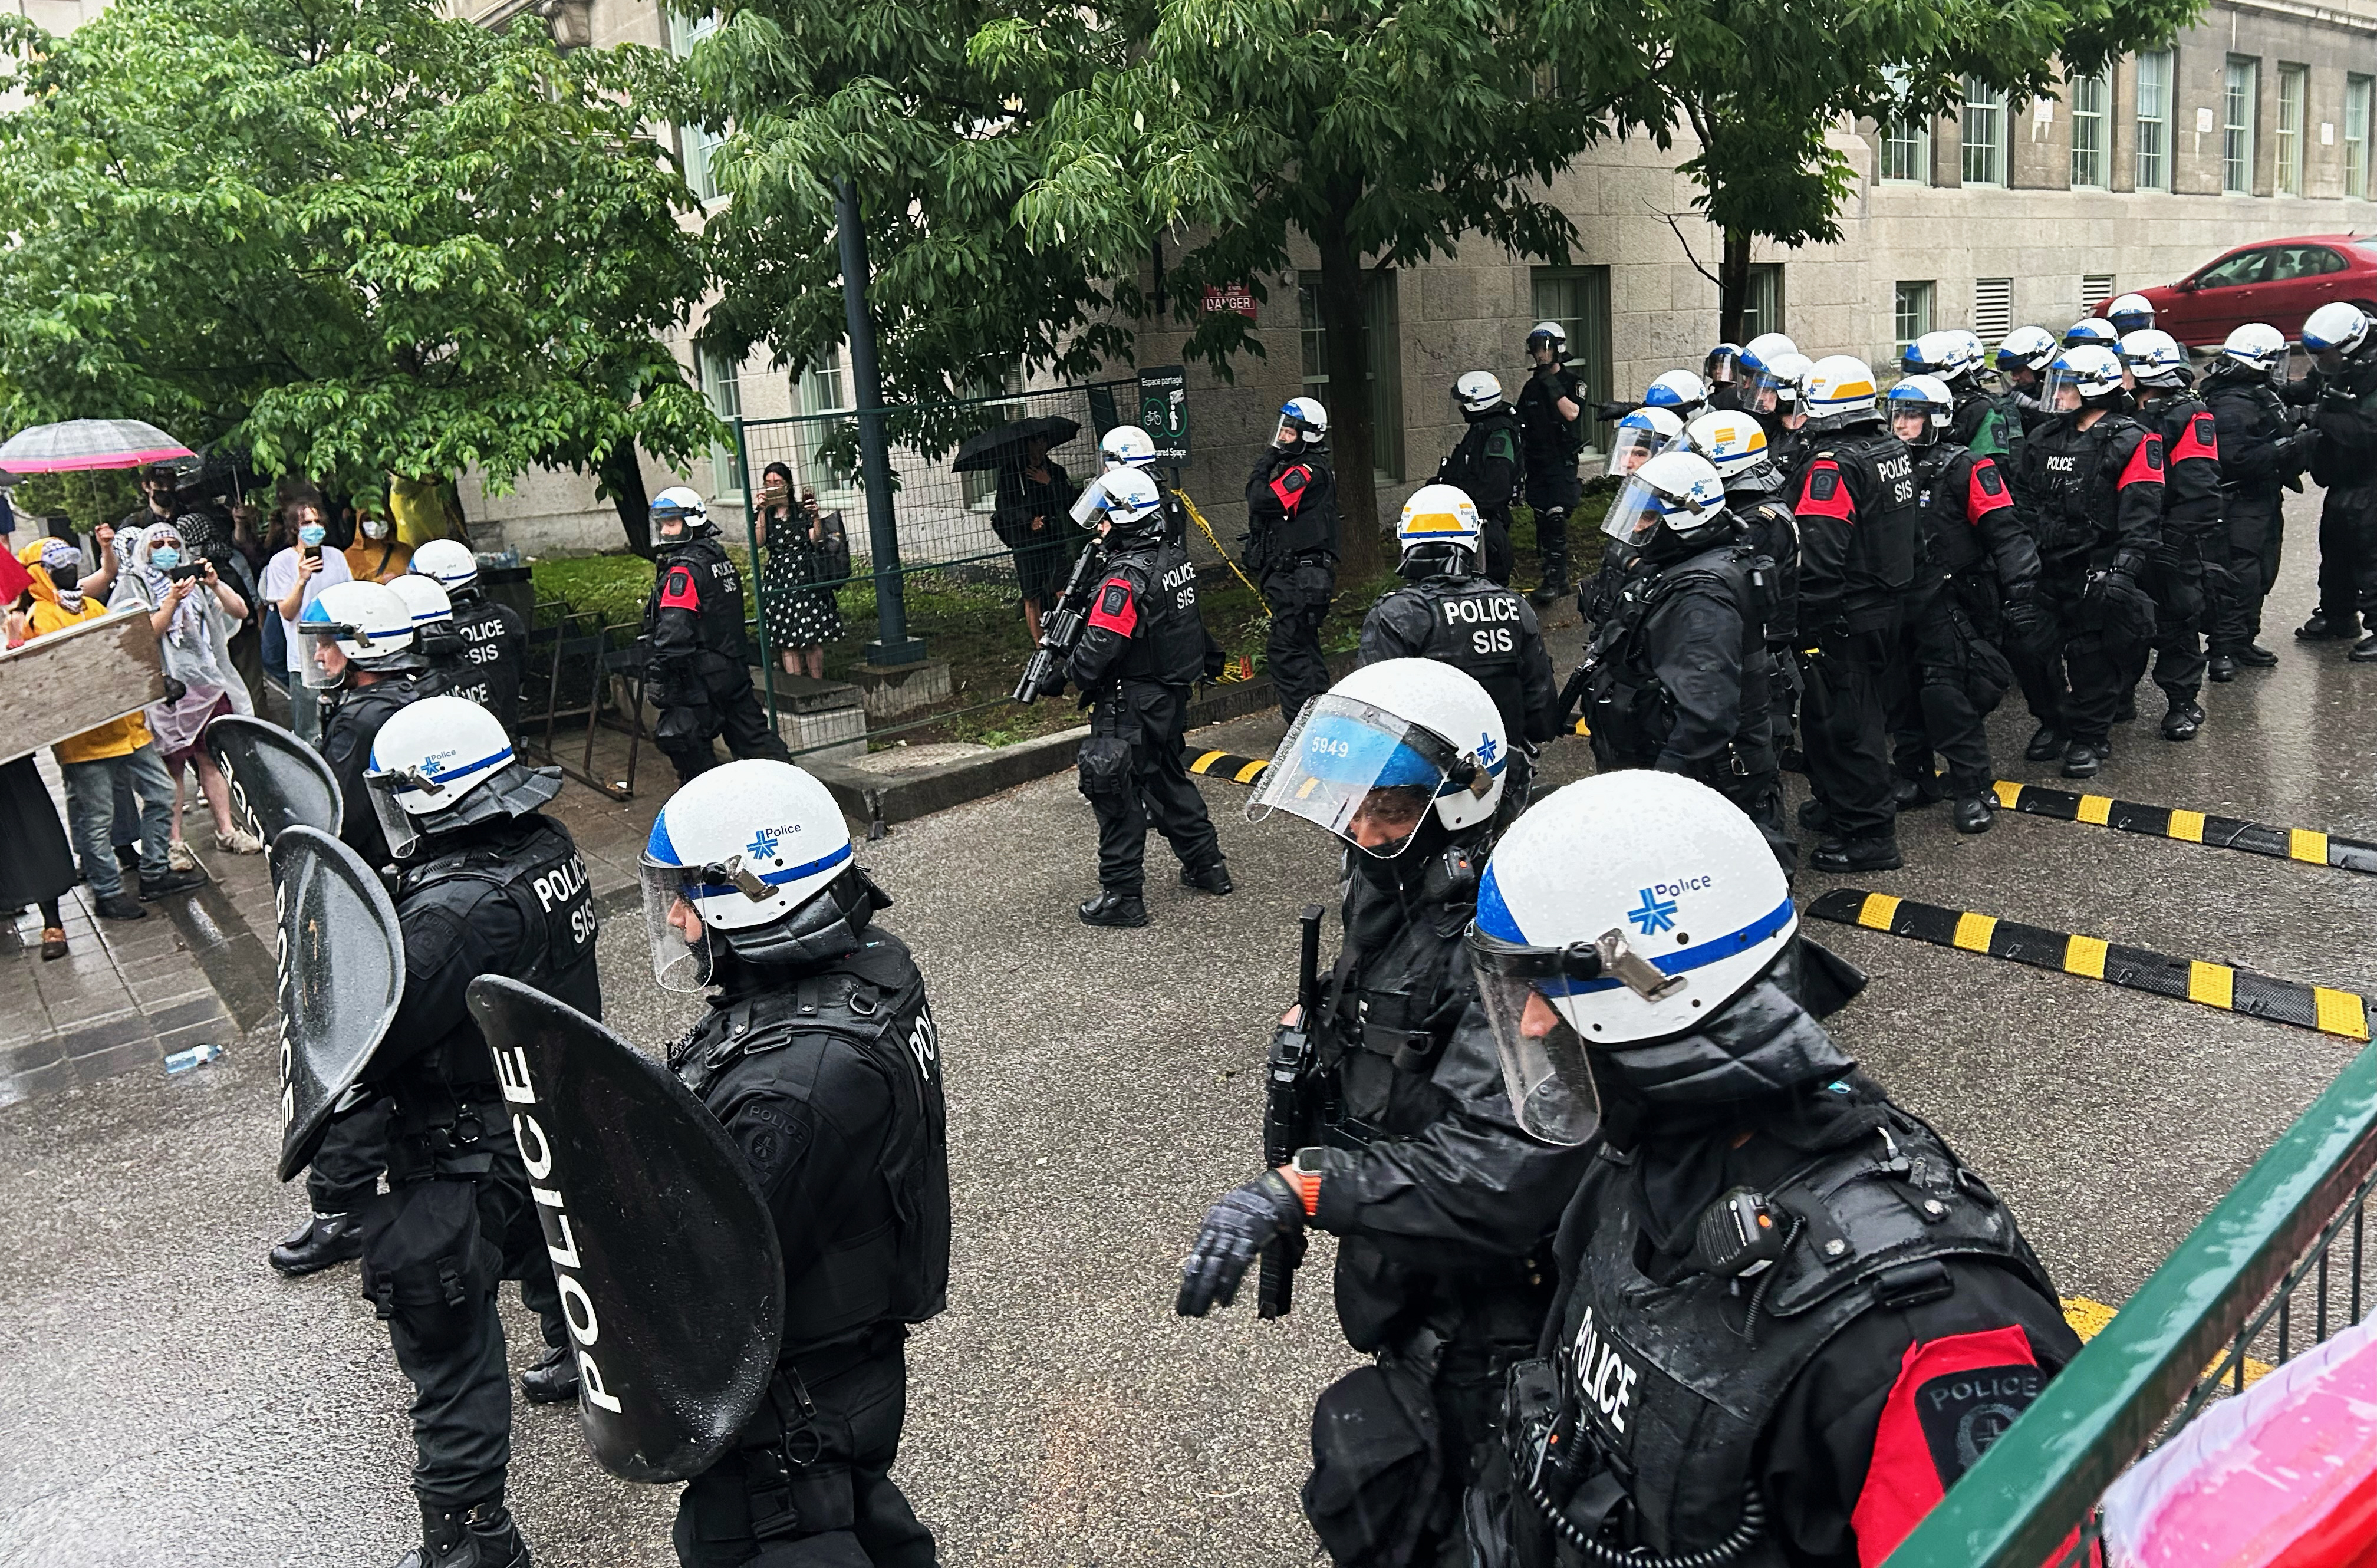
(197, 1056)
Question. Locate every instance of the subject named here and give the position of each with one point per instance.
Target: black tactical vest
(1481, 629)
(1665, 1389)
(494, 648)
(1277, 537)
(1627, 705)
(1466, 467)
(889, 1258)
(1168, 645)
(720, 588)
(2076, 486)
(1772, 529)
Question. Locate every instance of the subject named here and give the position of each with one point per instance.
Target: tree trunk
(1344, 317)
(623, 483)
(1733, 285)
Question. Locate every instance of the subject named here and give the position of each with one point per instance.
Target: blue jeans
(90, 813)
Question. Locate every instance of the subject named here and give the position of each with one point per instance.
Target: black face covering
(65, 576)
(818, 932)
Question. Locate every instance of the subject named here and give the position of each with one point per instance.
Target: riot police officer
(1980, 423)
(487, 885)
(1404, 1145)
(445, 668)
(2130, 313)
(1776, 393)
(1485, 464)
(2343, 385)
(819, 1056)
(1680, 392)
(1292, 548)
(1856, 513)
(2190, 515)
(2260, 451)
(495, 635)
(700, 671)
(2023, 358)
(1128, 446)
(1976, 579)
(359, 644)
(2089, 493)
(1758, 492)
(1549, 406)
(1450, 613)
(1143, 646)
(1721, 368)
(1747, 1314)
(1638, 436)
(1680, 677)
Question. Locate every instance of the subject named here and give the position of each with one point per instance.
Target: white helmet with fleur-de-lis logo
(1408, 732)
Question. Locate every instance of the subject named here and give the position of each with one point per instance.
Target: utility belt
(794, 1489)
(441, 1129)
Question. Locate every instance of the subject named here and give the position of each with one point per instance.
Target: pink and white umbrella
(80, 444)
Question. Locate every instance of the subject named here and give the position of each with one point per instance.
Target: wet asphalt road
(165, 1399)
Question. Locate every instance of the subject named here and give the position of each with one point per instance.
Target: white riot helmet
(1127, 497)
(352, 626)
(1942, 354)
(1626, 908)
(1839, 386)
(1367, 758)
(1477, 391)
(2130, 313)
(2026, 348)
(1976, 353)
(754, 854)
(426, 600)
(1548, 334)
(1302, 423)
(1765, 346)
(2156, 359)
(1763, 379)
(2090, 371)
(1788, 375)
(2255, 346)
(1680, 392)
(2333, 333)
(1679, 491)
(1927, 397)
(450, 561)
(1733, 443)
(1439, 517)
(1127, 444)
(443, 763)
(680, 504)
(2091, 330)
(1641, 434)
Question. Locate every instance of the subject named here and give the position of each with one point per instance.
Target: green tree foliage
(1759, 83)
(352, 240)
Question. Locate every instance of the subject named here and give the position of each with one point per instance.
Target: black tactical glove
(1241, 1223)
(2023, 615)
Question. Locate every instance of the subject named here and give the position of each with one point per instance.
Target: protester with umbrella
(1035, 496)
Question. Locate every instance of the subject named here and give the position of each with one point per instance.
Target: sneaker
(172, 882)
(180, 856)
(121, 906)
(239, 841)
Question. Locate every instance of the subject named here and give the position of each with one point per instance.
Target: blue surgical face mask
(164, 558)
(313, 533)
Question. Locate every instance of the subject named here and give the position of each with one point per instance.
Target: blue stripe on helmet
(503, 756)
(1494, 917)
(773, 879)
(1690, 958)
(658, 848)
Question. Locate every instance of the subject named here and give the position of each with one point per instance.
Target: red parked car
(2279, 281)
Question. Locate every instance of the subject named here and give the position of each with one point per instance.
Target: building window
(1914, 312)
(2241, 88)
(1578, 298)
(2089, 97)
(2356, 136)
(1992, 308)
(722, 388)
(1905, 144)
(2293, 87)
(1986, 127)
(2154, 120)
(1383, 334)
(2095, 290)
(695, 145)
(1763, 308)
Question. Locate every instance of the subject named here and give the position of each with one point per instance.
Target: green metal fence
(2279, 1263)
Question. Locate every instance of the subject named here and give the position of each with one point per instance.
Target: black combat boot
(2254, 656)
(1840, 855)
(323, 1242)
(480, 1537)
(2047, 743)
(2365, 651)
(1914, 793)
(1972, 814)
(1214, 878)
(2319, 629)
(2221, 667)
(2082, 761)
(1814, 818)
(1111, 908)
(553, 1379)
(2186, 717)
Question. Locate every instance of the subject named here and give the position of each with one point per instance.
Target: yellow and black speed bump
(2307, 844)
(2331, 1011)
(1223, 765)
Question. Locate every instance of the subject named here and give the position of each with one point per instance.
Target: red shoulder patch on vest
(2145, 466)
(1116, 610)
(2200, 438)
(1986, 491)
(678, 592)
(1290, 486)
(1954, 1397)
(1826, 494)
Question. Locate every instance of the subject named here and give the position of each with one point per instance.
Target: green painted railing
(2044, 1475)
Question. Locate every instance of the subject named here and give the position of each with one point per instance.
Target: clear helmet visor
(1288, 435)
(399, 826)
(2330, 361)
(1364, 773)
(1724, 367)
(1632, 446)
(1638, 510)
(322, 662)
(1762, 389)
(680, 938)
(2059, 389)
(1544, 1067)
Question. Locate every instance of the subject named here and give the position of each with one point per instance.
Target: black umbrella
(1003, 444)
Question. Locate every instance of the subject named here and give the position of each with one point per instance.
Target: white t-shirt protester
(281, 576)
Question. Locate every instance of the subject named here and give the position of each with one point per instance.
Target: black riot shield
(277, 781)
(670, 1272)
(341, 963)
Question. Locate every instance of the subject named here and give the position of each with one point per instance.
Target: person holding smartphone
(293, 579)
(802, 617)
